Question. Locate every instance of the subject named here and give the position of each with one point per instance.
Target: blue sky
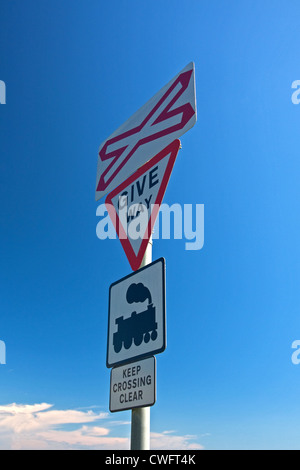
(74, 72)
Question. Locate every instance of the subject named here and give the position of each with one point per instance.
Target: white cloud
(167, 440)
(39, 426)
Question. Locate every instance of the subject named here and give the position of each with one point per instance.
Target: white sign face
(133, 385)
(137, 315)
(134, 205)
(164, 118)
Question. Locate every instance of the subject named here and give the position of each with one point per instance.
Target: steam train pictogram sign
(137, 323)
(138, 327)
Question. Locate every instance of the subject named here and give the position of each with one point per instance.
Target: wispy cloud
(170, 441)
(40, 426)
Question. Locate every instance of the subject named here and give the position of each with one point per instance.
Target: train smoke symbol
(138, 293)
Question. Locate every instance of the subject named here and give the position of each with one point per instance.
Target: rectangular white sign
(137, 315)
(133, 385)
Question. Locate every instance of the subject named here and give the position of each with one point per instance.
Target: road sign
(137, 315)
(133, 385)
(134, 205)
(164, 118)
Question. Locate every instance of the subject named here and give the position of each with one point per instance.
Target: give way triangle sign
(134, 205)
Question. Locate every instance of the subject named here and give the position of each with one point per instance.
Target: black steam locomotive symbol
(138, 327)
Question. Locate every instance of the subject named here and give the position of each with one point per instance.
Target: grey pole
(140, 417)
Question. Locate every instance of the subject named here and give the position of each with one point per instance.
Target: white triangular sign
(134, 205)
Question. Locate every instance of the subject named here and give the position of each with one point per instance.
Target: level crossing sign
(133, 385)
(164, 118)
(137, 315)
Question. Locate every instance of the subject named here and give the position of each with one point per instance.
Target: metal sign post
(140, 417)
